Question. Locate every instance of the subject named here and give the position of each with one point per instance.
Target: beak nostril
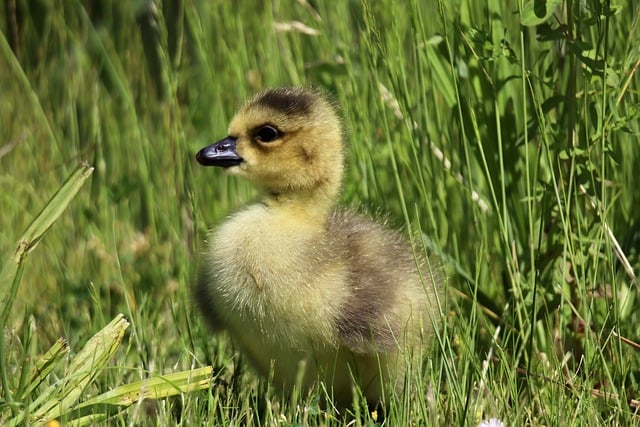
(222, 153)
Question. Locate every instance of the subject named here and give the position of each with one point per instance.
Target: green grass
(512, 149)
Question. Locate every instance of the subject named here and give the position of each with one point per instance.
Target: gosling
(308, 291)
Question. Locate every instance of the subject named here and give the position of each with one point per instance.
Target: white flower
(492, 422)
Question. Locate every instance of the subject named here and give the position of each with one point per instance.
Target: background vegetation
(506, 132)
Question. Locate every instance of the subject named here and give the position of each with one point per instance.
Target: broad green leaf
(536, 12)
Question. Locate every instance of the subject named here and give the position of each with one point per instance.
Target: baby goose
(307, 289)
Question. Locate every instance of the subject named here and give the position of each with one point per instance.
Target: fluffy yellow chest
(273, 280)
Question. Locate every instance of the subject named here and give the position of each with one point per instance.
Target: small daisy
(492, 422)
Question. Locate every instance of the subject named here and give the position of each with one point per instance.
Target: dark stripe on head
(291, 101)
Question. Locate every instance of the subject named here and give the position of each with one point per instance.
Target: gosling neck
(314, 204)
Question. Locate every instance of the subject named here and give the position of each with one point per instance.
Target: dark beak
(222, 153)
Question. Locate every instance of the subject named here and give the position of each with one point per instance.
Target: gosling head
(286, 141)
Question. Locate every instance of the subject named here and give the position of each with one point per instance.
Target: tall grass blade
(36, 230)
(12, 269)
(157, 387)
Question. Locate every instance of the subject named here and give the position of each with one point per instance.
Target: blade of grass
(59, 397)
(157, 387)
(12, 270)
(26, 87)
(83, 369)
(96, 419)
(35, 231)
(45, 365)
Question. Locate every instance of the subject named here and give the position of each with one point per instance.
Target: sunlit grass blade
(95, 419)
(53, 209)
(13, 267)
(60, 397)
(45, 365)
(83, 369)
(156, 387)
(38, 227)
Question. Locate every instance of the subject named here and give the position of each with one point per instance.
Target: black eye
(267, 134)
